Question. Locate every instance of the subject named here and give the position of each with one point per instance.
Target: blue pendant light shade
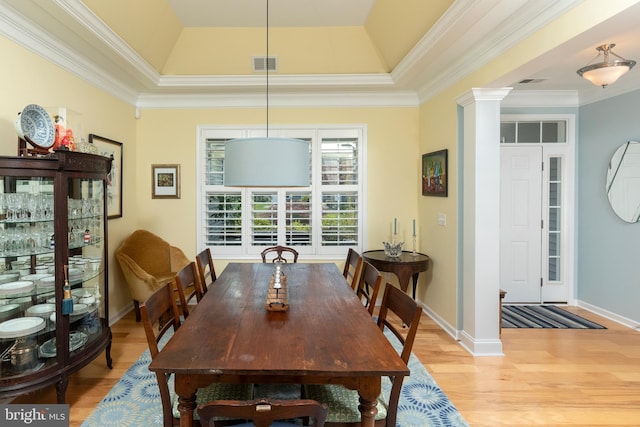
(266, 162)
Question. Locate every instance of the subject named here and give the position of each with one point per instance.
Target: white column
(481, 221)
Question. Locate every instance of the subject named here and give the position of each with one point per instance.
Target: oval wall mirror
(623, 181)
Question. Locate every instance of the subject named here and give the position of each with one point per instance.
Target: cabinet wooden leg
(108, 352)
(61, 389)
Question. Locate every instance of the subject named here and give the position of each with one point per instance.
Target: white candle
(395, 225)
(414, 228)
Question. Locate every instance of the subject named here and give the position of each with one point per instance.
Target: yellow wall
(395, 27)
(32, 80)
(299, 51)
(150, 27)
(169, 136)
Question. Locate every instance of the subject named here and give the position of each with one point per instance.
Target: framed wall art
(110, 148)
(165, 181)
(434, 174)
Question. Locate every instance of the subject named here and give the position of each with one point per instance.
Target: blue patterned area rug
(135, 401)
(543, 317)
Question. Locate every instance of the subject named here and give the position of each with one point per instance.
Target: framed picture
(166, 181)
(110, 148)
(434, 174)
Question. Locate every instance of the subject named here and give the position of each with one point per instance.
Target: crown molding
(288, 100)
(307, 81)
(17, 28)
(85, 17)
(519, 21)
(541, 98)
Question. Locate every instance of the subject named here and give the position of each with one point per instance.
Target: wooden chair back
(352, 267)
(262, 412)
(279, 251)
(188, 287)
(160, 313)
(369, 286)
(404, 328)
(206, 270)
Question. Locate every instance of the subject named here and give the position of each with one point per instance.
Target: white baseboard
(609, 315)
(476, 347)
(120, 314)
(473, 346)
(446, 326)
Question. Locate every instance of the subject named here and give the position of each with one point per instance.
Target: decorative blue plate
(37, 125)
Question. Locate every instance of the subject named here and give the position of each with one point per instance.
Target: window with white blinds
(321, 219)
(223, 219)
(298, 219)
(339, 218)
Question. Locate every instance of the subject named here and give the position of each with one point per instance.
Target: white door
(521, 223)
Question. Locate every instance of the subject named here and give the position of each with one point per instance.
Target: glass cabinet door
(85, 272)
(27, 275)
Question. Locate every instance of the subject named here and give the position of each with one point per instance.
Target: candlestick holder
(277, 294)
(413, 252)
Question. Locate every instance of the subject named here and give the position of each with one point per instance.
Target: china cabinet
(53, 269)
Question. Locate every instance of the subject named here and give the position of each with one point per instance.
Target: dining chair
(279, 250)
(263, 412)
(343, 403)
(206, 270)
(369, 286)
(188, 287)
(352, 266)
(160, 313)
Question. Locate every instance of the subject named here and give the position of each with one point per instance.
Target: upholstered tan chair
(148, 262)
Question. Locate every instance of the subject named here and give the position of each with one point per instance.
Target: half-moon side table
(405, 266)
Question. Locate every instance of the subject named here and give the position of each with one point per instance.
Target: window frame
(316, 134)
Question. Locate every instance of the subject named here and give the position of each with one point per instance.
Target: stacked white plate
(17, 287)
(41, 310)
(9, 276)
(46, 281)
(21, 327)
(8, 311)
(36, 277)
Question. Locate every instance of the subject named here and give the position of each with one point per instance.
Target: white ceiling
(471, 33)
(557, 68)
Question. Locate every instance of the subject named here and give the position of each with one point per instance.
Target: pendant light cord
(267, 68)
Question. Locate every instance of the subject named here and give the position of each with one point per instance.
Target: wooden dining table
(325, 337)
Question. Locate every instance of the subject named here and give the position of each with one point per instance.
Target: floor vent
(260, 63)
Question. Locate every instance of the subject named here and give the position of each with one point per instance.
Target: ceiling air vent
(260, 63)
(530, 81)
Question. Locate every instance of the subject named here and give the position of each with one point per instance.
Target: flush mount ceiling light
(266, 162)
(606, 72)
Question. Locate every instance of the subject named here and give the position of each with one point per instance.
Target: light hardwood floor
(546, 377)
